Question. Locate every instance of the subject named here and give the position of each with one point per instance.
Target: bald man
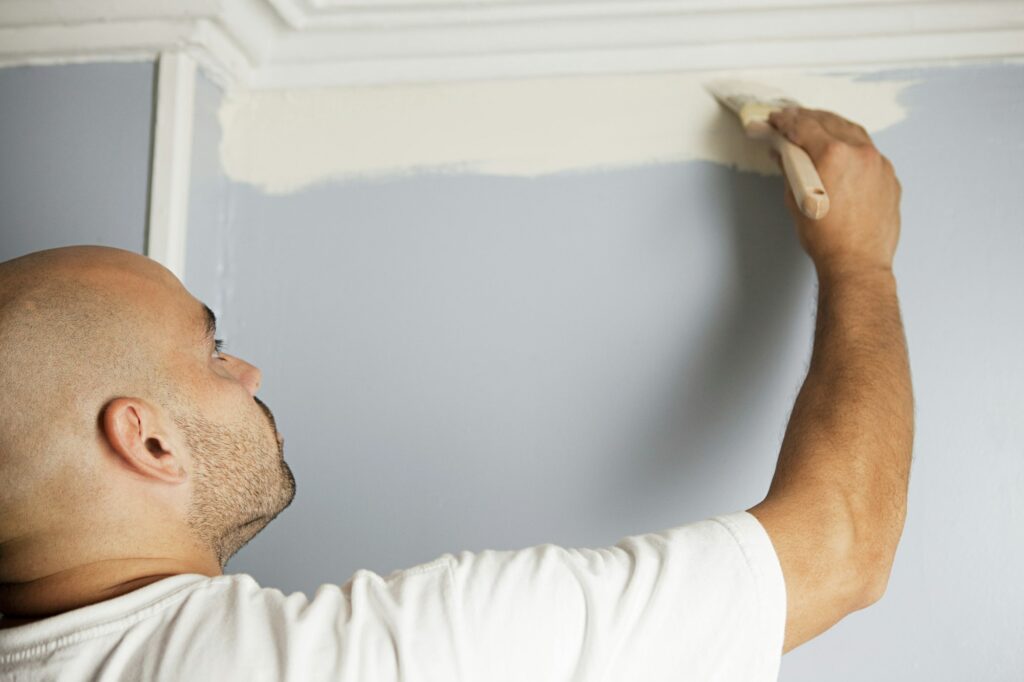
(136, 459)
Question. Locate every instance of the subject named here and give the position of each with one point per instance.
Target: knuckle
(870, 151)
(870, 155)
(835, 150)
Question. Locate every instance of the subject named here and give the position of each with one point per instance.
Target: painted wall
(74, 156)
(462, 361)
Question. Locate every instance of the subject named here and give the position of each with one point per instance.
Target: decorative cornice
(296, 43)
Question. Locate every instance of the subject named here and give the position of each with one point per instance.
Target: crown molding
(309, 43)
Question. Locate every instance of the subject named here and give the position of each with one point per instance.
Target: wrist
(847, 269)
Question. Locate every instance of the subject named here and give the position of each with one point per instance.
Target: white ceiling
(296, 43)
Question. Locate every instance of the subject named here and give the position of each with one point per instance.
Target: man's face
(240, 481)
(86, 325)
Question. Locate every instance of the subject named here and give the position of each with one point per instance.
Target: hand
(862, 227)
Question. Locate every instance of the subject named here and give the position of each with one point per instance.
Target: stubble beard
(240, 480)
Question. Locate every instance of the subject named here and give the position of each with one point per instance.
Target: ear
(136, 433)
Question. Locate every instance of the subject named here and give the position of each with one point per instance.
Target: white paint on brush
(283, 141)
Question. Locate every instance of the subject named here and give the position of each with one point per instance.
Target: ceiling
(300, 43)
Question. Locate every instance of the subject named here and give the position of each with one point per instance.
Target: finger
(844, 129)
(802, 130)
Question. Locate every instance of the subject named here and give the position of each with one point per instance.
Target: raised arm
(836, 506)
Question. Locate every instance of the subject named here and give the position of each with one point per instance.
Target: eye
(218, 347)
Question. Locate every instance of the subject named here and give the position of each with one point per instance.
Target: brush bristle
(751, 101)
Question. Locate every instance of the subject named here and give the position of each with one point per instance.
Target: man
(136, 459)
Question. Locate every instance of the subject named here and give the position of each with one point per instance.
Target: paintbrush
(753, 103)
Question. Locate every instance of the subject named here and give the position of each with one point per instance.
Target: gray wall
(74, 156)
(470, 362)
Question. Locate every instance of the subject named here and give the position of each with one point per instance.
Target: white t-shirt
(703, 601)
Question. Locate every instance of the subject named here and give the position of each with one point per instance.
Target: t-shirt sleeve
(702, 601)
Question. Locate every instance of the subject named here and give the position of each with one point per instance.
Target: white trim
(292, 43)
(167, 231)
(849, 54)
(399, 13)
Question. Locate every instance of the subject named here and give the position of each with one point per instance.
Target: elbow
(875, 568)
(874, 585)
(877, 543)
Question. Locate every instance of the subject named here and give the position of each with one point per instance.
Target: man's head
(123, 430)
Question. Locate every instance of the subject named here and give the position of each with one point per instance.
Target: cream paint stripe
(283, 141)
(172, 155)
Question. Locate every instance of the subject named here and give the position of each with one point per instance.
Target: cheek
(226, 401)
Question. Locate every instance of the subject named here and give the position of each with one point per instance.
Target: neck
(90, 583)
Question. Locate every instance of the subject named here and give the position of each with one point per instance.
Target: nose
(247, 375)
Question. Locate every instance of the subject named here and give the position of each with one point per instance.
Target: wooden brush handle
(803, 178)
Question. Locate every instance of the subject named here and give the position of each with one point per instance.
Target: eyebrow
(211, 322)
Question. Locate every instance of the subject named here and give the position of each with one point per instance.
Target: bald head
(74, 333)
(117, 416)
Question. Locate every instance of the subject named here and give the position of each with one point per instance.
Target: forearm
(850, 435)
